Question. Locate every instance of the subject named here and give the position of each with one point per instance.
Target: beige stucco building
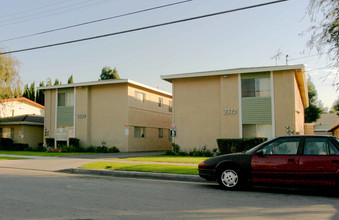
(22, 121)
(121, 113)
(238, 103)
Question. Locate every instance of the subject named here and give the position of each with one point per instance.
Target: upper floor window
(256, 87)
(140, 96)
(170, 106)
(65, 99)
(160, 101)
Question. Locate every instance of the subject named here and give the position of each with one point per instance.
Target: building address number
(230, 111)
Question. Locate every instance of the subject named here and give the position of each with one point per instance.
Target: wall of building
(82, 115)
(299, 110)
(107, 115)
(50, 113)
(229, 100)
(284, 101)
(16, 108)
(25, 134)
(33, 135)
(198, 111)
(152, 117)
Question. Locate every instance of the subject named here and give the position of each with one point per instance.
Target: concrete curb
(134, 174)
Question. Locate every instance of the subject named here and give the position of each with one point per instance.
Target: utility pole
(286, 59)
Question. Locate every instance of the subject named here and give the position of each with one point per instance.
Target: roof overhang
(104, 82)
(336, 125)
(22, 123)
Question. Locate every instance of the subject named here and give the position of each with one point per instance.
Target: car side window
(319, 146)
(283, 146)
(333, 149)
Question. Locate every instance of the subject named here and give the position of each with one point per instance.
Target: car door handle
(335, 161)
(291, 160)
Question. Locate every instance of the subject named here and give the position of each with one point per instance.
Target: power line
(50, 14)
(298, 58)
(98, 20)
(33, 9)
(144, 28)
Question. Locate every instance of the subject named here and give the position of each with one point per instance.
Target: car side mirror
(259, 153)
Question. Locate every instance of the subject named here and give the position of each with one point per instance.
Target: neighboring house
(22, 120)
(325, 123)
(121, 113)
(26, 129)
(20, 106)
(334, 130)
(238, 103)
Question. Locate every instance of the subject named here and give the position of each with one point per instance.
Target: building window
(65, 99)
(257, 130)
(170, 106)
(161, 133)
(258, 87)
(139, 132)
(160, 101)
(140, 96)
(61, 99)
(169, 135)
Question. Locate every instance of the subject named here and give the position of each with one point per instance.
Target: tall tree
(70, 80)
(40, 95)
(312, 113)
(324, 15)
(336, 106)
(26, 93)
(57, 82)
(108, 73)
(49, 82)
(32, 92)
(9, 76)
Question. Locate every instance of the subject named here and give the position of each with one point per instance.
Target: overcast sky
(248, 38)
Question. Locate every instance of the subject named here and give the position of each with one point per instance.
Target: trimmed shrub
(19, 147)
(113, 149)
(203, 152)
(6, 143)
(227, 146)
(74, 142)
(50, 142)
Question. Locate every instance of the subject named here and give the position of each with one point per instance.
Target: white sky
(247, 38)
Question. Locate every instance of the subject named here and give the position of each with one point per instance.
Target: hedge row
(227, 146)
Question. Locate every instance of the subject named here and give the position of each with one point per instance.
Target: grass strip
(168, 159)
(41, 154)
(13, 158)
(153, 168)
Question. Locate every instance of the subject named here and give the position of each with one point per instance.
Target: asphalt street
(29, 194)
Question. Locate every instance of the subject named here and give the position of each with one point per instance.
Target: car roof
(308, 135)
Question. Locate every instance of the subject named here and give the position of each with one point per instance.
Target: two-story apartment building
(121, 113)
(238, 103)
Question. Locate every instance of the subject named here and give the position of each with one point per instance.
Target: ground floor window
(257, 130)
(7, 133)
(139, 132)
(161, 133)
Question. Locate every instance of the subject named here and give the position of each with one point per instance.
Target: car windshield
(337, 139)
(254, 148)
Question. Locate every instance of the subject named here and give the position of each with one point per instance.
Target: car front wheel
(230, 178)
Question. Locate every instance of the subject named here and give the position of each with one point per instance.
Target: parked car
(305, 160)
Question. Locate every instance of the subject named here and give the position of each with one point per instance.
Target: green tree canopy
(312, 113)
(70, 80)
(40, 95)
(336, 106)
(108, 73)
(9, 77)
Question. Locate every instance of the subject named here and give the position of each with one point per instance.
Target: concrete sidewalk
(70, 165)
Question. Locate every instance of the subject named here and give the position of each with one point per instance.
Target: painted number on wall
(230, 111)
(82, 116)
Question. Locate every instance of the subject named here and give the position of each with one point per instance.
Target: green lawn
(42, 154)
(13, 158)
(154, 168)
(168, 159)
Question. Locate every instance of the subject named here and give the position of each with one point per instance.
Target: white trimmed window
(140, 96)
(139, 132)
(257, 130)
(256, 87)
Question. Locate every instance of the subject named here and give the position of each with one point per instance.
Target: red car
(305, 160)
